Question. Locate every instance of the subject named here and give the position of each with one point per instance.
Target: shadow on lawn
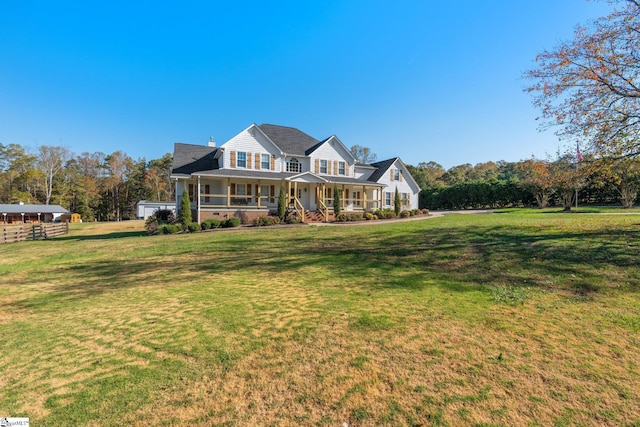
(459, 259)
(106, 236)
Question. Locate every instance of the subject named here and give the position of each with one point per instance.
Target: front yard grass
(520, 318)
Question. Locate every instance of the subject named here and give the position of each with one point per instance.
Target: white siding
(331, 151)
(245, 142)
(404, 186)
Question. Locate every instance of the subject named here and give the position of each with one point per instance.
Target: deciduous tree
(589, 87)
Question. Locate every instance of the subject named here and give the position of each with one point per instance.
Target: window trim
(342, 168)
(239, 161)
(294, 165)
(387, 198)
(396, 174)
(325, 167)
(267, 162)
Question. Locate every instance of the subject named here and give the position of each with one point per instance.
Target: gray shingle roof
(382, 168)
(290, 140)
(32, 209)
(189, 158)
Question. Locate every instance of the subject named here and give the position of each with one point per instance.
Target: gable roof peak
(290, 140)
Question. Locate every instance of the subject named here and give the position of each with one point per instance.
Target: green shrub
(159, 217)
(368, 216)
(282, 204)
(293, 218)
(342, 217)
(378, 213)
(405, 214)
(231, 222)
(169, 228)
(337, 203)
(193, 227)
(210, 223)
(397, 203)
(184, 214)
(264, 221)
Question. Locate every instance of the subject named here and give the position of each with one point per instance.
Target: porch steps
(313, 216)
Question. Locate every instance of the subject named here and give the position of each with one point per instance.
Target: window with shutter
(241, 159)
(232, 159)
(257, 156)
(266, 162)
(249, 159)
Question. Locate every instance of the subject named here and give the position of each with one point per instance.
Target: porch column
(342, 197)
(259, 192)
(364, 197)
(228, 192)
(288, 194)
(198, 202)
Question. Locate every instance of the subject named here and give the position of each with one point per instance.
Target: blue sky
(423, 80)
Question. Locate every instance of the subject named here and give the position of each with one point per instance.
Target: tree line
(98, 186)
(532, 182)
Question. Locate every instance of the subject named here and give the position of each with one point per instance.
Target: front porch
(247, 199)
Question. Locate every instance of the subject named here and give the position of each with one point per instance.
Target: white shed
(145, 209)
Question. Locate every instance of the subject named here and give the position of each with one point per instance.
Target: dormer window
(293, 165)
(242, 159)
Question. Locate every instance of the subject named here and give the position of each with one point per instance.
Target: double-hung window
(242, 159)
(323, 166)
(387, 198)
(396, 174)
(265, 162)
(341, 168)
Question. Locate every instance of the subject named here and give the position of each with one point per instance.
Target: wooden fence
(19, 233)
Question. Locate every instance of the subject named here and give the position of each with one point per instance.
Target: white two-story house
(243, 176)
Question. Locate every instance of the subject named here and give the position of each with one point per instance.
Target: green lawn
(515, 318)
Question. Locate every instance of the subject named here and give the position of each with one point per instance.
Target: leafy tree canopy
(589, 87)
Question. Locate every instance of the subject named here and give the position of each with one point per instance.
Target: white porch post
(198, 202)
(259, 192)
(364, 197)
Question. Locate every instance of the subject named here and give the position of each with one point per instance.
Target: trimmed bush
(264, 221)
(193, 227)
(184, 214)
(210, 223)
(231, 222)
(344, 217)
(170, 228)
(369, 216)
(425, 211)
(293, 218)
(405, 214)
